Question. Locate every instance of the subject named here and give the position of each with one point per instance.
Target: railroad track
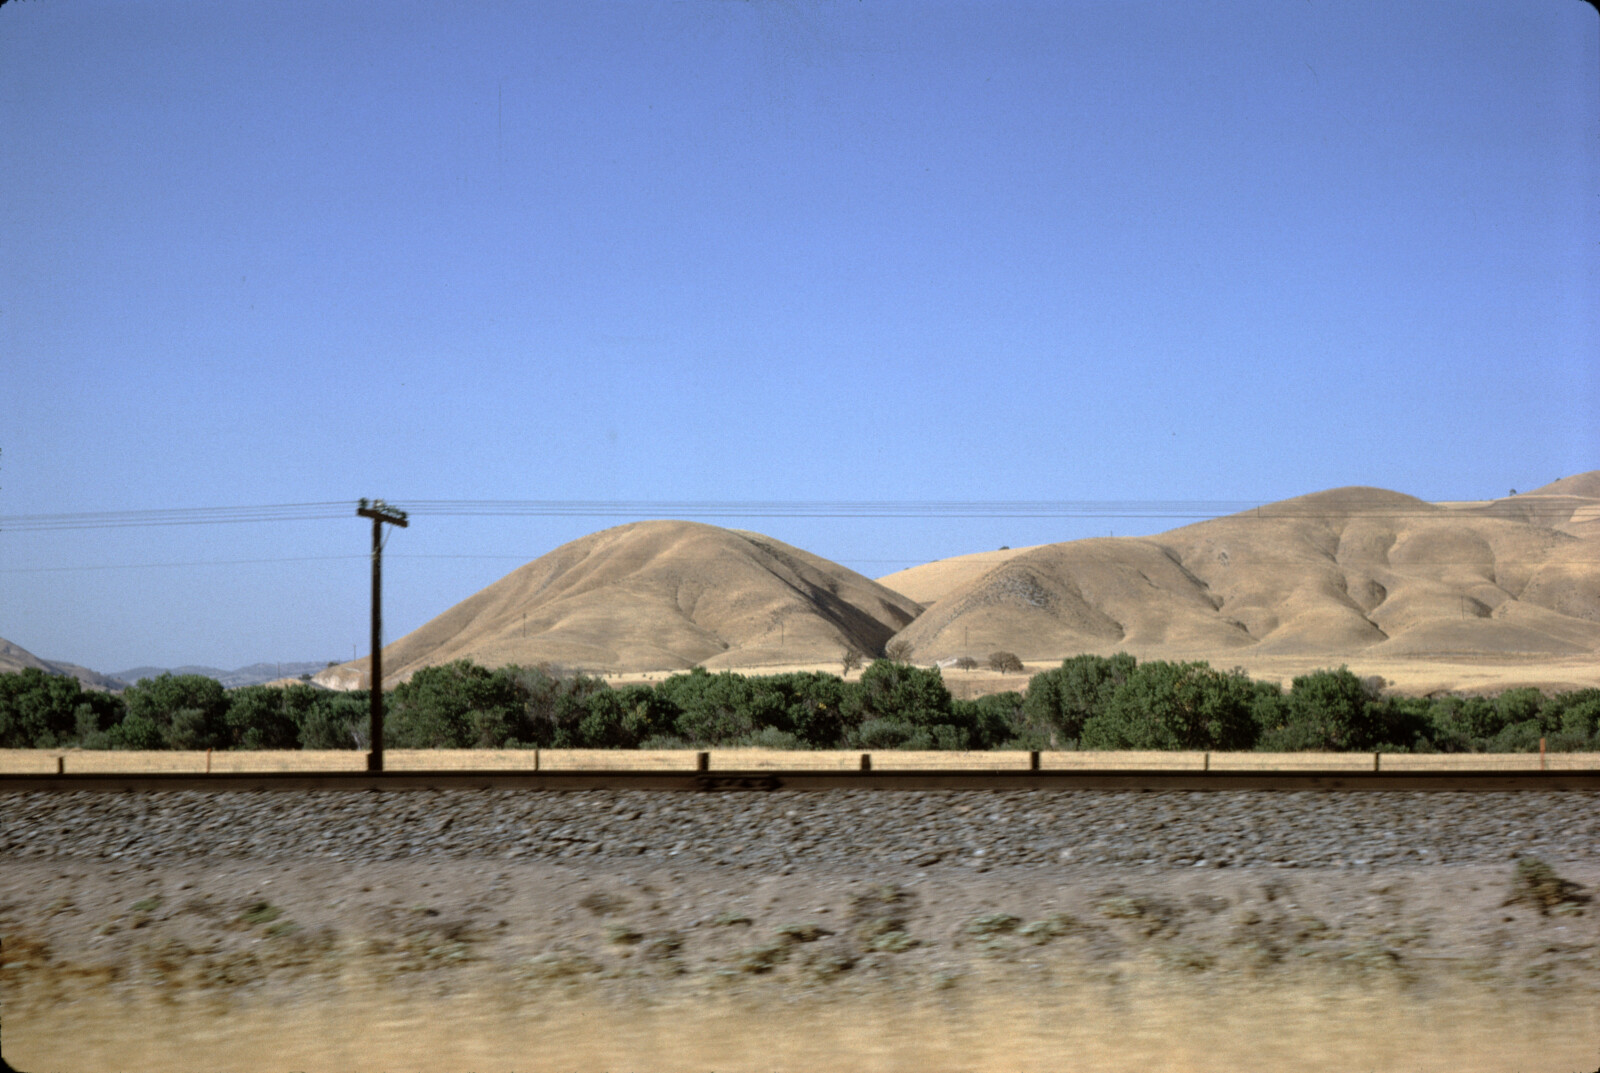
(753, 770)
(766, 780)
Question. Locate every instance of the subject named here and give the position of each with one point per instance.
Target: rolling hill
(658, 595)
(1333, 575)
(15, 658)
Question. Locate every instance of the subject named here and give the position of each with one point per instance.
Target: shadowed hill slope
(931, 581)
(1338, 573)
(16, 658)
(657, 595)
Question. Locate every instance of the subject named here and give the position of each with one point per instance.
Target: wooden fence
(85, 762)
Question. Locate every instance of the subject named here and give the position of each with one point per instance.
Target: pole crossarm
(379, 511)
(381, 514)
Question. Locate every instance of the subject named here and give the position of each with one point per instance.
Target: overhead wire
(1193, 510)
(729, 509)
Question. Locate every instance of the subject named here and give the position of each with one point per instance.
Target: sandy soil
(483, 964)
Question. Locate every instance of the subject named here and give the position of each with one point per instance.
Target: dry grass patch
(77, 762)
(1291, 761)
(29, 761)
(784, 760)
(1462, 761)
(539, 760)
(1129, 760)
(929, 760)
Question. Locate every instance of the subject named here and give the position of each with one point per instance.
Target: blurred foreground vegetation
(1089, 702)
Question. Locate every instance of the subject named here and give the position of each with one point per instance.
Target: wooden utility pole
(380, 512)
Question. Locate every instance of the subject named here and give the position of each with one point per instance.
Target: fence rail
(413, 761)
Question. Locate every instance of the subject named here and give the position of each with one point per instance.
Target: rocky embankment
(837, 896)
(854, 829)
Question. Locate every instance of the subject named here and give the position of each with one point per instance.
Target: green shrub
(1519, 706)
(1005, 662)
(1325, 711)
(555, 706)
(458, 705)
(890, 690)
(1089, 701)
(189, 711)
(43, 711)
(1574, 719)
(994, 721)
(336, 720)
(1520, 737)
(816, 712)
(771, 738)
(1060, 701)
(260, 717)
(719, 709)
(138, 732)
(883, 734)
(1402, 722)
(1175, 706)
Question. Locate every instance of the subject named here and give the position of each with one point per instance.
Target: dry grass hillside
(931, 581)
(1432, 596)
(15, 658)
(1353, 573)
(659, 595)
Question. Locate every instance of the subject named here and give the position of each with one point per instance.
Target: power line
(1239, 561)
(119, 519)
(1192, 510)
(198, 562)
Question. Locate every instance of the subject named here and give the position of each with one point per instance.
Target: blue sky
(265, 253)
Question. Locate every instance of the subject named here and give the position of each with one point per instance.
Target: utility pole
(380, 512)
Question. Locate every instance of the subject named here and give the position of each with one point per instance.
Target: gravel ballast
(856, 828)
(130, 919)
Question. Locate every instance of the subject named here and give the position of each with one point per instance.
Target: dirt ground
(1412, 677)
(481, 964)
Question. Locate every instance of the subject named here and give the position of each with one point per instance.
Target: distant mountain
(253, 675)
(657, 595)
(15, 658)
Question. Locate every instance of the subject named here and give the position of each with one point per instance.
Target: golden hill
(659, 595)
(1353, 572)
(14, 658)
(931, 581)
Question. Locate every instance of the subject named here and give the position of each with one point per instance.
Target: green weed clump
(763, 959)
(892, 942)
(1040, 932)
(802, 933)
(1536, 884)
(601, 904)
(260, 913)
(559, 965)
(992, 924)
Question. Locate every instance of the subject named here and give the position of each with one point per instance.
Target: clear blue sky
(264, 253)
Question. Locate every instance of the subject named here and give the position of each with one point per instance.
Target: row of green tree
(1089, 702)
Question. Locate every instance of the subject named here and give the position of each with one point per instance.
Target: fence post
(866, 761)
(1033, 760)
(536, 758)
(1206, 764)
(702, 761)
(1375, 757)
(208, 761)
(1541, 752)
(61, 765)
